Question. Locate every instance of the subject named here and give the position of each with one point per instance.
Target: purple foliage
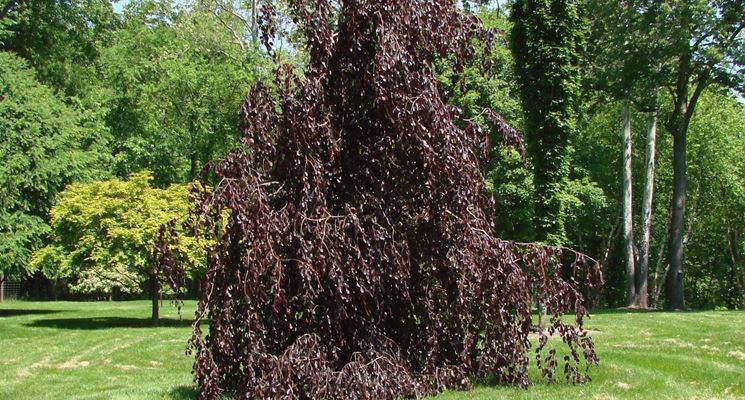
(354, 251)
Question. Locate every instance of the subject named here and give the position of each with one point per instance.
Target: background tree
(546, 41)
(621, 52)
(61, 41)
(177, 81)
(104, 232)
(714, 165)
(238, 17)
(44, 145)
(488, 82)
(717, 162)
(704, 44)
(682, 46)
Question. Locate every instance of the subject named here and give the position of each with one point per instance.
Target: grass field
(66, 350)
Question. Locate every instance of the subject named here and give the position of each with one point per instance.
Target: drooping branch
(355, 254)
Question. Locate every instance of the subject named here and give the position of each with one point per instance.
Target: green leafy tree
(61, 40)
(44, 145)
(714, 255)
(491, 83)
(104, 234)
(715, 207)
(702, 44)
(681, 46)
(546, 40)
(177, 81)
(622, 66)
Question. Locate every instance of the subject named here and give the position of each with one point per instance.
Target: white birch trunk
(628, 220)
(643, 270)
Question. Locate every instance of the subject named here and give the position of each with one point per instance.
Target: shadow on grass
(624, 310)
(183, 393)
(94, 323)
(20, 312)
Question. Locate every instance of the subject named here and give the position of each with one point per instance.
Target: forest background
(108, 112)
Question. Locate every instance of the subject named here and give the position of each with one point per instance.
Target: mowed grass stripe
(108, 350)
(93, 351)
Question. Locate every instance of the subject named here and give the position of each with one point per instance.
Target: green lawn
(69, 350)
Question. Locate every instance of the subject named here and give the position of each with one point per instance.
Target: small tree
(354, 252)
(103, 235)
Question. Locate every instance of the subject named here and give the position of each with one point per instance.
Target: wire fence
(11, 290)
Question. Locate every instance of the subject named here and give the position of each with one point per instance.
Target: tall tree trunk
(733, 243)
(254, 24)
(628, 217)
(675, 293)
(155, 297)
(2, 287)
(660, 274)
(643, 271)
(677, 125)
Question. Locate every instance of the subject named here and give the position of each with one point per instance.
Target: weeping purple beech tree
(354, 252)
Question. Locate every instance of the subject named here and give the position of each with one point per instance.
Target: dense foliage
(61, 40)
(176, 82)
(94, 89)
(103, 233)
(715, 169)
(45, 144)
(355, 256)
(715, 252)
(546, 40)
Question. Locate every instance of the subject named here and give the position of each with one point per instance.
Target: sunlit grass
(70, 350)
(651, 355)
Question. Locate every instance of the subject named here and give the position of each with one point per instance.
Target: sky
(119, 5)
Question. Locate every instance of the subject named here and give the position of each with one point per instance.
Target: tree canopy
(176, 83)
(104, 233)
(45, 145)
(355, 240)
(547, 42)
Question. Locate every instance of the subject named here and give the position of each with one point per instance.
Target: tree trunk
(2, 287)
(193, 166)
(677, 125)
(660, 274)
(675, 293)
(733, 243)
(155, 297)
(628, 217)
(643, 271)
(254, 24)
